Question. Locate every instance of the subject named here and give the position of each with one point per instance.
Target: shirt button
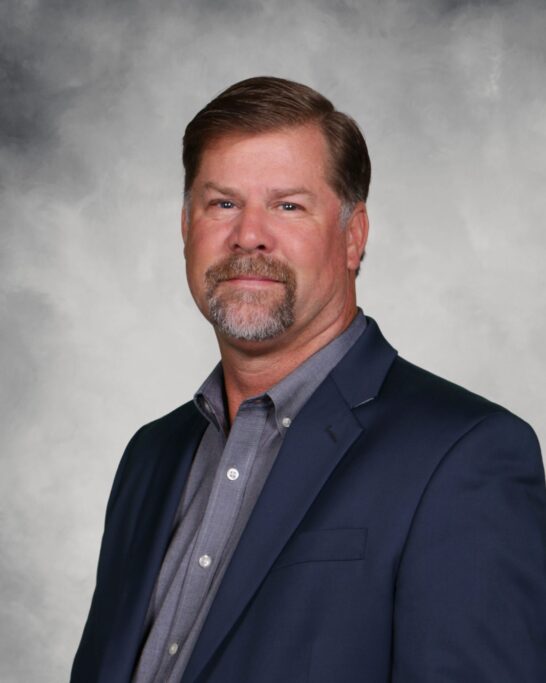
(173, 649)
(286, 422)
(232, 474)
(205, 561)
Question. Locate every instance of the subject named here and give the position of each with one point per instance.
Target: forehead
(298, 153)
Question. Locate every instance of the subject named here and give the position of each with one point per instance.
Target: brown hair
(264, 103)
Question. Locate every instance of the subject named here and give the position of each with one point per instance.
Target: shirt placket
(227, 493)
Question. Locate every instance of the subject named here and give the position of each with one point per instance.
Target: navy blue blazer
(400, 538)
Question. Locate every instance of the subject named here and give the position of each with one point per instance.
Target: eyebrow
(209, 185)
(289, 191)
(275, 193)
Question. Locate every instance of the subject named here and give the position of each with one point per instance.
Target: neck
(250, 368)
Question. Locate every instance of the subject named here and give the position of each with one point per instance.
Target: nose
(250, 232)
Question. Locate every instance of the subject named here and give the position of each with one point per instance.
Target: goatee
(251, 315)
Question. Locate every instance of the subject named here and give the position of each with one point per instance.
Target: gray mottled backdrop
(99, 333)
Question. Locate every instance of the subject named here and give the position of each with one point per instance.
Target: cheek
(201, 250)
(318, 259)
(197, 263)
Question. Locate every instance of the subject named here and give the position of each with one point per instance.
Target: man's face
(265, 254)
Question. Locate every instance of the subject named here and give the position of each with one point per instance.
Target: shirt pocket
(324, 545)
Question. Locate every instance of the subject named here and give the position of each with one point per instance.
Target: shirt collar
(209, 398)
(290, 394)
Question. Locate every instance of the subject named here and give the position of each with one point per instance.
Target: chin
(250, 322)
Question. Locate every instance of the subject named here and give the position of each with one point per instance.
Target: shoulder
(157, 435)
(412, 383)
(427, 420)
(175, 422)
(430, 401)
(152, 440)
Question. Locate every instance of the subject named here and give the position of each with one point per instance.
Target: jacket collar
(362, 371)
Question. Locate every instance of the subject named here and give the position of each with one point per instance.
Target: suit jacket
(399, 538)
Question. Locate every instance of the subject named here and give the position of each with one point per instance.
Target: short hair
(265, 103)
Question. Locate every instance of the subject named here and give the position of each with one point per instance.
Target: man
(323, 510)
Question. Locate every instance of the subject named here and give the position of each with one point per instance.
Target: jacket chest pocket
(324, 545)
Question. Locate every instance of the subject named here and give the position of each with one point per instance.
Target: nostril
(237, 246)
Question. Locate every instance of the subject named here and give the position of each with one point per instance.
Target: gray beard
(250, 315)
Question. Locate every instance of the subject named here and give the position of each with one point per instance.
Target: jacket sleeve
(470, 602)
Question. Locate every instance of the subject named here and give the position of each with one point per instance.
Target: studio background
(99, 332)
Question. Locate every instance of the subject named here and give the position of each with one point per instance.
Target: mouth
(252, 279)
(260, 278)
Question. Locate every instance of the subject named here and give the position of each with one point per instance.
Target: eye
(289, 206)
(222, 203)
(225, 204)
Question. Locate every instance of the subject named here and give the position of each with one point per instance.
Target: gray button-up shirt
(227, 475)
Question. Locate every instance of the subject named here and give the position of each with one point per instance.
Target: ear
(357, 236)
(184, 222)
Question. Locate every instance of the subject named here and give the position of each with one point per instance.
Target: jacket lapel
(315, 443)
(160, 487)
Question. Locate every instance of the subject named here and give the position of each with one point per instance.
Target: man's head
(263, 104)
(274, 222)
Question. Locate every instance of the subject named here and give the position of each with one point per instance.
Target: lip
(249, 279)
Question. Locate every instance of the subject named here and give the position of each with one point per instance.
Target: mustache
(260, 266)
